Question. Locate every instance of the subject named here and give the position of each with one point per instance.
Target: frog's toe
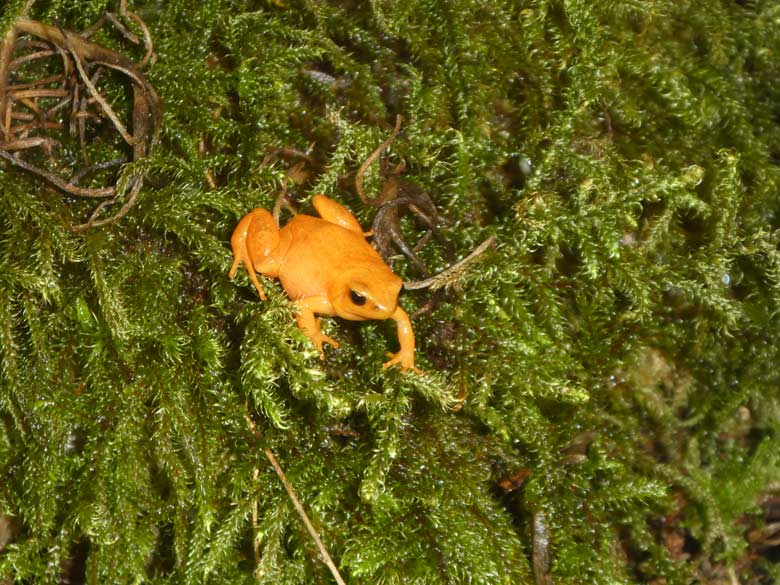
(322, 339)
(329, 341)
(234, 267)
(405, 359)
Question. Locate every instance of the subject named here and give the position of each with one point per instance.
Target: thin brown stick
(25, 143)
(282, 202)
(66, 66)
(96, 167)
(46, 125)
(109, 16)
(56, 108)
(6, 52)
(75, 102)
(85, 114)
(93, 222)
(37, 82)
(56, 181)
(207, 173)
(299, 508)
(76, 50)
(25, 44)
(447, 276)
(541, 550)
(30, 103)
(287, 152)
(32, 57)
(144, 29)
(6, 128)
(376, 201)
(255, 543)
(20, 94)
(81, 118)
(107, 110)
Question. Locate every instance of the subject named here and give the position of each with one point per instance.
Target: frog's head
(366, 294)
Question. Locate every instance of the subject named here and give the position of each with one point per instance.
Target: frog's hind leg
(255, 237)
(333, 212)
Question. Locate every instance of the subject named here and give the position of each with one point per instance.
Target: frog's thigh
(262, 237)
(253, 240)
(332, 212)
(310, 325)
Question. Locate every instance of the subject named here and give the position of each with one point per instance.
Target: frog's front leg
(332, 212)
(405, 355)
(310, 325)
(253, 240)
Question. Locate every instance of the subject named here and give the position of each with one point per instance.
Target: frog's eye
(357, 298)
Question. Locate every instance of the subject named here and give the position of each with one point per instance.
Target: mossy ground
(606, 380)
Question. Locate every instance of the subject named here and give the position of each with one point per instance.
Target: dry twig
(452, 276)
(541, 550)
(376, 201)
(398, 195)
(79, 56)
(298, 507)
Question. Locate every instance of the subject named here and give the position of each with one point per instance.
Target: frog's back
(315, 253)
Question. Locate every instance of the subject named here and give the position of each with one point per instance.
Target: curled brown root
(29, 120)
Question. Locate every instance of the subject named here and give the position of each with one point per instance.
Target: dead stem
(149, 56)
(96, 167)
(35, 93)
(451, 276)
(282, 202)
(6, 51)
(376, 201)
(207, 173)
(23, 129)
(541, 550)
(107, 110)
(55, 180)
(54, 109)
(255, 543)
(93, 222)
(43, 54)
(24, 143)
(109, 17)
(78, 55)
(299, 508)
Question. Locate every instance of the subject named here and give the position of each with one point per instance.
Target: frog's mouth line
(367, 312)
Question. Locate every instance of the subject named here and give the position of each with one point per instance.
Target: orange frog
(326, 266)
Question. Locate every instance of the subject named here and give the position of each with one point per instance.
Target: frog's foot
(310, 325)
(405, 358)
(239, 259)
(405, 355)
(322, 338)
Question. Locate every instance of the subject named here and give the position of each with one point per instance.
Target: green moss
(617, 349)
